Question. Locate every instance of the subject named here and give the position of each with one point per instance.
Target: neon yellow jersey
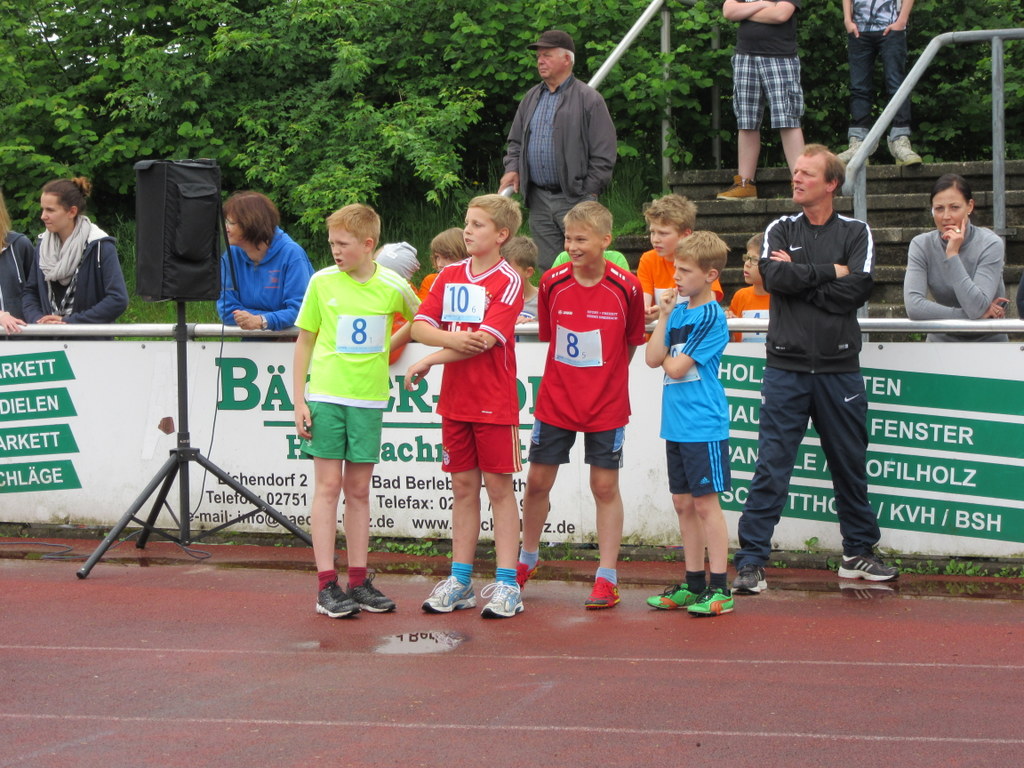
(352, 322)
(614, 257)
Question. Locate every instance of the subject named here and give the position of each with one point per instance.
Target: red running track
(204, 666)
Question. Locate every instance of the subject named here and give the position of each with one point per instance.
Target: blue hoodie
(273, 288)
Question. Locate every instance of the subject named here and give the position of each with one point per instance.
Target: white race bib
(758, 314)
(464, 303)
(691, 375)
(581, 349)
(361, 335)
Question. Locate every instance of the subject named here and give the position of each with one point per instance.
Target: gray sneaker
(504, 601)
(370, 598)
(749, 580)
(867, 567)
(450, 595)
(847, 155)
(333, 602)
(902, 152)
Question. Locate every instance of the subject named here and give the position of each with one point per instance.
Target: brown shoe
(741, 189)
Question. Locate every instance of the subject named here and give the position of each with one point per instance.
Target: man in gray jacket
(561, 147)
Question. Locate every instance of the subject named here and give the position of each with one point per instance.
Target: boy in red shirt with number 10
(592, 313)
(471, 313)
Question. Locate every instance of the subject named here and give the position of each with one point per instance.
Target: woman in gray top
(955, 272)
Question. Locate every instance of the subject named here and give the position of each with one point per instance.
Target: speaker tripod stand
(177, 467)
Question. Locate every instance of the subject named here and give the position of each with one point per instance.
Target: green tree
(320, 102)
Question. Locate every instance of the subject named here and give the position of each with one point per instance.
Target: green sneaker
(713, 601)
(674, 597)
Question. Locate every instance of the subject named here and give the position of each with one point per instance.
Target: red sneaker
(524, 572)
(604, 595)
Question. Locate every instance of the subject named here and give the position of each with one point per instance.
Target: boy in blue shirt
(687, 342)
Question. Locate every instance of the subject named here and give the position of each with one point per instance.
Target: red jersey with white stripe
(481, 388)
(590, 330)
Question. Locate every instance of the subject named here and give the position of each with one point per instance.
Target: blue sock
(463, 572)
(505, 575)
(608, 573)
(529, 559)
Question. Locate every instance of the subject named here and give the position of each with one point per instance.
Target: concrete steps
(898, 210)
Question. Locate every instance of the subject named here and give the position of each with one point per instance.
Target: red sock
(325, 578)
(356, 576)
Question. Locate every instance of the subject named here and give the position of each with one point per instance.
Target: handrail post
(998, 140)
(666, 120)
(716, 105)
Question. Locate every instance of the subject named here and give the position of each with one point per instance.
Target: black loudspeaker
(177, 230)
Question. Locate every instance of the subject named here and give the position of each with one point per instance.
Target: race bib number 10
(464, 303)
(581, 349)
(361, 335)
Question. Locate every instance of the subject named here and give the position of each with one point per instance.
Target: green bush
(321, 102)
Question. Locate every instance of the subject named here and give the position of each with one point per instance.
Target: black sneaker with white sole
(332, 601)
(867, 567)
(370, 598)
(749, 580)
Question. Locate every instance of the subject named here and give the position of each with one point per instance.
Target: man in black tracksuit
(817, 267)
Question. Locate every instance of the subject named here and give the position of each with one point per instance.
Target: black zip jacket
(15, 263)
(812, 323)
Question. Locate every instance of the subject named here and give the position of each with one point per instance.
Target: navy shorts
(550, 445)
(698, 468)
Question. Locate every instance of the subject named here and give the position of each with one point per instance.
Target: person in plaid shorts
(765, 67)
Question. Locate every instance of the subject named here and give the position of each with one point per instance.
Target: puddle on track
(421, 642)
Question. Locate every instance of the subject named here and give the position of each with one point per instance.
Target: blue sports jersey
(694, 408)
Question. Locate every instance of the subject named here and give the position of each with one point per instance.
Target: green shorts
(344, 432)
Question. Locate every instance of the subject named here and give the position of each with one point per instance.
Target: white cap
(401, 257)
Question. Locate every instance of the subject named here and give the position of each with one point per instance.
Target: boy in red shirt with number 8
(592, 313)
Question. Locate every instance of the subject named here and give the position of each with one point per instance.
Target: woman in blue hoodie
(75, 276)
(264, 272)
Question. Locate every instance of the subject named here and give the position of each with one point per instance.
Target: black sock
(718, 581)
(696, 581)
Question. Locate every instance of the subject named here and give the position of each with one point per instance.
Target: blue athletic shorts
(698, 468)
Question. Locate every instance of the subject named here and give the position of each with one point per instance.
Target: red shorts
(467, 445)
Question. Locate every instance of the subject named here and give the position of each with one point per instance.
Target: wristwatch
(263, 322)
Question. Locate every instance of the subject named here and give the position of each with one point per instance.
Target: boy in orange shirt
(753, 300)
(670, 219)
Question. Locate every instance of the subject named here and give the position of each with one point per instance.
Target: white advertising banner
(79, 441)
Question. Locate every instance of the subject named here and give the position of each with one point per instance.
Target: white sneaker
(450, 595)
(505, 600)
(902, 152)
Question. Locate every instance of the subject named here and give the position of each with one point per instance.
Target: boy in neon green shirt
(344, 337)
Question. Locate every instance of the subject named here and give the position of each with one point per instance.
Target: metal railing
(217, 331)
(666, 46)
(856, 176)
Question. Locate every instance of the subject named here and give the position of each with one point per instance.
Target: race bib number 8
(361, 335)
(464, 303)
(581, 349)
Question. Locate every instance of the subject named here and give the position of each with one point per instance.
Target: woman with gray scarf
(76, 276)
